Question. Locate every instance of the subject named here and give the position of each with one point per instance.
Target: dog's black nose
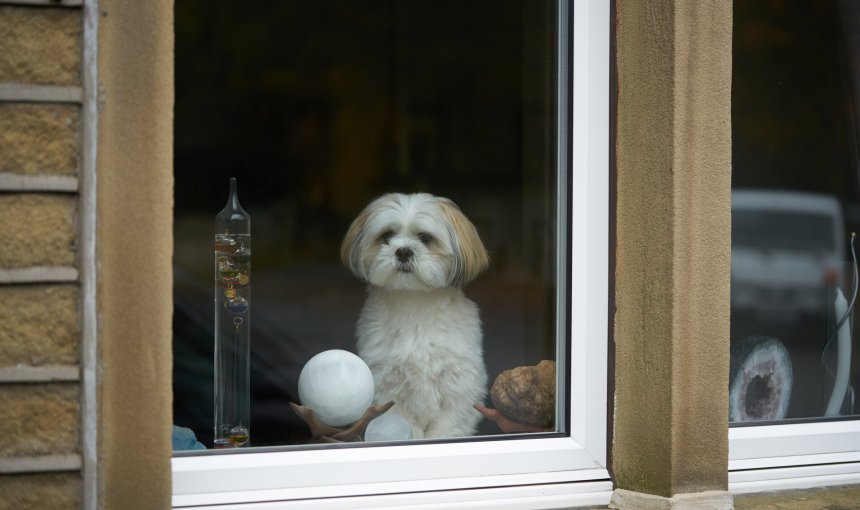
(403, 254)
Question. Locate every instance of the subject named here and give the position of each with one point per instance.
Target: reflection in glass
(795, 209)
(319, 107)
(786, 247)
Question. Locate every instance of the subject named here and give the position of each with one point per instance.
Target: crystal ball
(389, 427)
(337, 385)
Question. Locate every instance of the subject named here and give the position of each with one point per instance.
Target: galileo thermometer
(232, 323)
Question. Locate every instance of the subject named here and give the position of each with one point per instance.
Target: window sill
(529, 466)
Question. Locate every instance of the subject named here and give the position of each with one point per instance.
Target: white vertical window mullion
(590, 223)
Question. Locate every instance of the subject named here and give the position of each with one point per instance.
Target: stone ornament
(524, 399)
(337, 385)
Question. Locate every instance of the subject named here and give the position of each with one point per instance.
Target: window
(795, 203)
(316, 109)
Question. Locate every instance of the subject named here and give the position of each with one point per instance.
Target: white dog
(418, 333)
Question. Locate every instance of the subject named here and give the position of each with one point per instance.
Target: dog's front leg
(456, 419)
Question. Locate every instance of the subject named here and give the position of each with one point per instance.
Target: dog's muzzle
(404, 259)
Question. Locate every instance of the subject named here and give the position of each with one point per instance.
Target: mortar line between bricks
(29, 374)
(88, 221)
(40, 464)
(42, 274)
(27, 93)
(37, 183)
(44, 3)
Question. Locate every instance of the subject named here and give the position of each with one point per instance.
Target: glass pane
(318, 108)
(795, 209)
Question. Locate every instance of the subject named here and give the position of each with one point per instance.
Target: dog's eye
(386, 236)
(425, 238)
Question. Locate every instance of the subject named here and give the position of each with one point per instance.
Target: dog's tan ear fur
(471, 256)
(349, 252)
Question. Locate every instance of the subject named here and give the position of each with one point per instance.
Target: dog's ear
(350, 249)
(469, 253)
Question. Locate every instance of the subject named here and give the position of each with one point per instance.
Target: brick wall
(41, 132)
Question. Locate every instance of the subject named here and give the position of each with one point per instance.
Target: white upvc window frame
(794, 455)
(534, 471)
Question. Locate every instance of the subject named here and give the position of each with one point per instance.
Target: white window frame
(794, 455)
(550, 470)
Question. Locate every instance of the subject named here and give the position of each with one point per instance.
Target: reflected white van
(787, 249)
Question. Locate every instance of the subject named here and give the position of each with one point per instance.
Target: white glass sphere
(389, 427)
(337, 385)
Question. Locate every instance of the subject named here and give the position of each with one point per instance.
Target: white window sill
(794, 456)
(527, 465)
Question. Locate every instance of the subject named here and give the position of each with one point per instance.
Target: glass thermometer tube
(232, 246)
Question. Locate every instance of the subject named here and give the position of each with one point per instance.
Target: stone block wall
(41, 103)
(43, 45)
(39, 139)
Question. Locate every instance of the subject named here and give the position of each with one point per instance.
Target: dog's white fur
(418, 333)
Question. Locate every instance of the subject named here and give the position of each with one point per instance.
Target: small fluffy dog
(418, 333)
